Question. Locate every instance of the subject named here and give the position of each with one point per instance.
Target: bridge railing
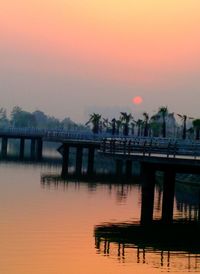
(150, 146)
(53, 134)
(12, 131)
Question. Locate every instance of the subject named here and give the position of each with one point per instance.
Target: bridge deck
(182, 155)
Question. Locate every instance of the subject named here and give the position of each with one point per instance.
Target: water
(48, 227)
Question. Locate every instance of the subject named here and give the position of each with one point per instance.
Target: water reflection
(169, 247)
(173, 247)
(186, 202)
(54, 219)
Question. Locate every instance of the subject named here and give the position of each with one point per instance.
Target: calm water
(49, 227)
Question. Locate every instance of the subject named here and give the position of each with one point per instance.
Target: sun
(137, 100)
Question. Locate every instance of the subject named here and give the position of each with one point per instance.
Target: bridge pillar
(168, 195)
(4, 147)
(65, 160)
(33, 149)
(79, 158)
(128, 168)
(21, 150)
(199, 211)
(39, 148)
(90, 167)
(148, 187)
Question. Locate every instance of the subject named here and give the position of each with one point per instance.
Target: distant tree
(184, 120)
(133, 128)
(95, 119)
(196, 125)
(21, 118)
(139, 124)
(154, 125)
(118, 126)
(3, 118)
(53, 122)
(163, 111)
(113, 126)
(105, 124)
(68, 124)
(145, 123)
(126, 118)
(41, 119)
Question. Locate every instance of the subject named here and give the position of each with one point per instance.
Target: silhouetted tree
(95, 121)
(118, 126)
(184, 120)
(139, 124)
(113, 125)
(21, 118)
(145, 123)
(154, 125)
(163, 111)
(126, 118)
(105, 124)
(3, 118)
(196, 125)
(133, 127)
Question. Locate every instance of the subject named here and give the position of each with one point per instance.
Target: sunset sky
(68, 57)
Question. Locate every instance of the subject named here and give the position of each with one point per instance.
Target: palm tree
(95, 121)
(118, 126)
(139, 124)
(146, 125)
(133, 127)
(196, 125)
(113, 125)
(154, 125)
(184, 120)
(105, 124)
(126, 118)
(163, 111)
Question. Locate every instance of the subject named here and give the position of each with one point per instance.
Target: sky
(70, 58)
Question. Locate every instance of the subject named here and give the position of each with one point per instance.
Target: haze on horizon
(69, 57)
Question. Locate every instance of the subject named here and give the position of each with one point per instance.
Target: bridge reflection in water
(172, 247)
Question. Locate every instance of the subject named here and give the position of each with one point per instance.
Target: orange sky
(147, 44)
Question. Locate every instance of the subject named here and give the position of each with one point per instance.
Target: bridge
(171, 156)
(38, 136)
(160, 151)
(79, 140)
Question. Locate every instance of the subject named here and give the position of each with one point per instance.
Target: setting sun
(137, 100)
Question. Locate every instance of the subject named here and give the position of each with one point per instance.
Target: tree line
(162, 124)
(20, 118)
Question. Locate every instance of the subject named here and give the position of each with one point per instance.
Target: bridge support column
(148, 187)
(128, 168)
(21, 151)
(33, 149)
(168, 195)
(79, 158)
(199, 212)
(39, 148)
(4, 147)
(90, 167)
(119, 167)
(65, 160)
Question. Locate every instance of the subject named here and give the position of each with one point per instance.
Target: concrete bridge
(170, 156)
(39, 136)
(165, 155)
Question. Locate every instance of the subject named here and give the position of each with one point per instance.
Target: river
(48, 226)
